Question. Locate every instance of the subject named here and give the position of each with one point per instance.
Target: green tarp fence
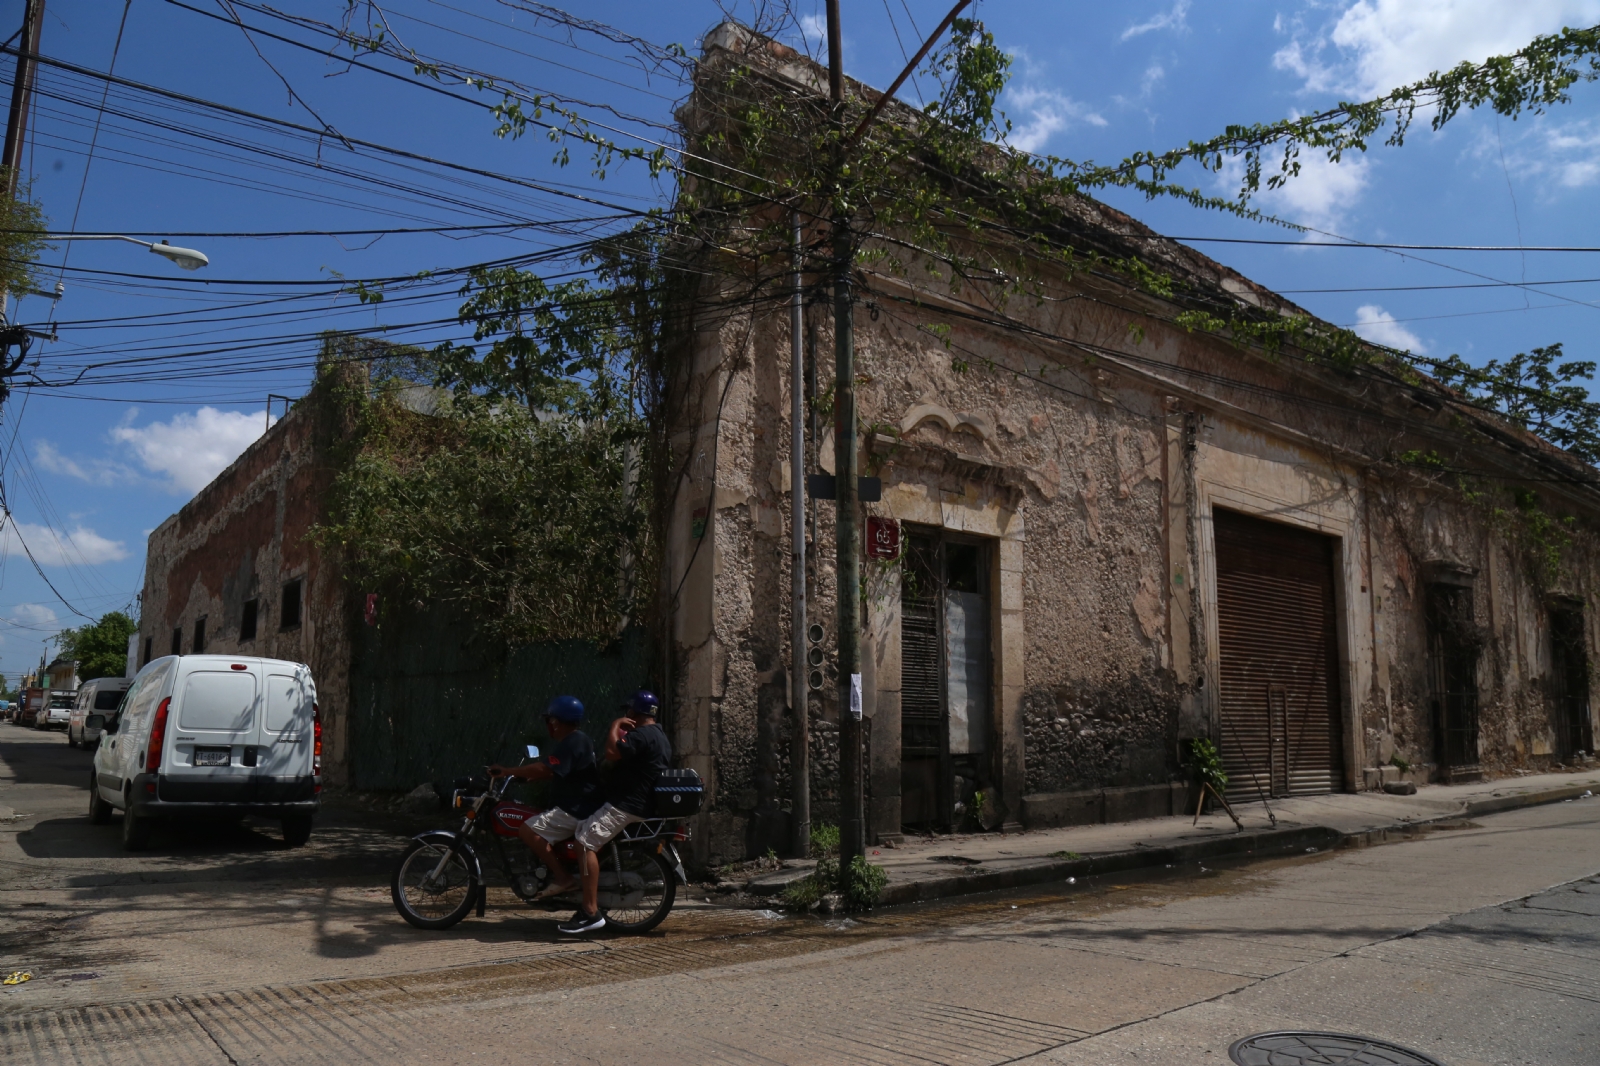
(430, 704)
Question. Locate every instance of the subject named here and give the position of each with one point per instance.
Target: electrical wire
(94, 138)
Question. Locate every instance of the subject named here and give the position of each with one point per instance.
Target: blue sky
(92, 467)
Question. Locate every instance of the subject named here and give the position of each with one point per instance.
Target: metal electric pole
(852, 836)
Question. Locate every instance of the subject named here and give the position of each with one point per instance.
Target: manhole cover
(1323, 1049)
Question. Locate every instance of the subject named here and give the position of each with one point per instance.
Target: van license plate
(212, 756)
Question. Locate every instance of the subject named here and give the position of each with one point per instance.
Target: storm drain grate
(1289, 1048)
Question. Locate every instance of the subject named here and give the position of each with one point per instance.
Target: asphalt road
(1478, 944)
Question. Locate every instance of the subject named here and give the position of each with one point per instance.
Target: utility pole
(21, 92)
(11, 154)
(799, 671)
(846, 462)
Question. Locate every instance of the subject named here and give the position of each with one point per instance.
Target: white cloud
(33, 614)
(1375, 324)
(1571, 154)
(1176, 19)
(78, 546)
(94, 471)
(1552, 158)
(191, 449)
(815, 29)
(1320, 196)
(1377, 45)
(1045, 113)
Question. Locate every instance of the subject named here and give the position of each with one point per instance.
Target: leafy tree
(511, 518)
(520, 500)
(21, 239)
(101, 648)
(1537, 393)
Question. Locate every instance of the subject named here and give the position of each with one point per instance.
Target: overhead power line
(1431, 288)
(401, 153)
(1374, 244)
(484, 228)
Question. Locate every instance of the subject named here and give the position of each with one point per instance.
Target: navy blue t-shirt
(576, 785)
(645, 753)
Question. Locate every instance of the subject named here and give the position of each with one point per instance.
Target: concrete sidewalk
(942, 866)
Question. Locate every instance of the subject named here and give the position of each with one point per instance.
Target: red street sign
(883, 538)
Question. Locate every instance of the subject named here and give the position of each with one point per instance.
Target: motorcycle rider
(638, 749)
(571, 767)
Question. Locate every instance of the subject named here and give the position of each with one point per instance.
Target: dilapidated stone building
(1117, 535)
(235, 571)
(409, 692)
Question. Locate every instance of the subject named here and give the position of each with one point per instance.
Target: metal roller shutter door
(1279, 681)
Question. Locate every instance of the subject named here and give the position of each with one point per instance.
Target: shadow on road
(196, 850)
(44, 759)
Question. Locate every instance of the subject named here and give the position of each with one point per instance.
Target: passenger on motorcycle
(571, 768)
(639, 750)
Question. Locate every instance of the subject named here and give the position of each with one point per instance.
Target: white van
(211, 735)
(102, 695)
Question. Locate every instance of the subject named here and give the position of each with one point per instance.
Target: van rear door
(215, 725)
(286, 734)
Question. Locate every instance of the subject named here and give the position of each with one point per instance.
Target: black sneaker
(582, 923)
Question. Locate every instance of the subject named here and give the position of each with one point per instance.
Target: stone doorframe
(1240, 470)
(986, 511)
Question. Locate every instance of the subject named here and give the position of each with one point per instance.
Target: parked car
(57, 711)
(209, 736)
(6, 710)
(102, 694)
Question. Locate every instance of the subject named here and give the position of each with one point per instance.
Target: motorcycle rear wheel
(660, 890)
(429, 902)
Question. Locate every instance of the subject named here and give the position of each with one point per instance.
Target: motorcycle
(440, 878)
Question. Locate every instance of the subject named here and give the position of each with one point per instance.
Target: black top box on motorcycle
(678, 793)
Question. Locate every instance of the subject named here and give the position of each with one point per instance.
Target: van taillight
(316, 739)
(158, 737)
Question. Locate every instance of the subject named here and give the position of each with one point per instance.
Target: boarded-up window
(1454, 641)
(1569, 680)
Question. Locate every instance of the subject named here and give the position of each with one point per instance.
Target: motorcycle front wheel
(433, 887)
(660, 889)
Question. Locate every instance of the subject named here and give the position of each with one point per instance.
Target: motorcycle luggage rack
(652, 829)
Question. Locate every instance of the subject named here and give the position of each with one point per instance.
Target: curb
(1527, 799)
(1270, 841)
(1259, 843)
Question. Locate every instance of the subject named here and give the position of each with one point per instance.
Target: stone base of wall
(1048, 810)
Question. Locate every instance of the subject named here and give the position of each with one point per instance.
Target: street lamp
(185, 258)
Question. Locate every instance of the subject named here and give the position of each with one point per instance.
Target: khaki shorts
(554, 824)
(598, 829)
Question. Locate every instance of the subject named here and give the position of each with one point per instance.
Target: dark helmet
(644, 703)
(565, 709)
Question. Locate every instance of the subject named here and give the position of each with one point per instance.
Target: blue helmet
(565, 709)
(644, 703)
